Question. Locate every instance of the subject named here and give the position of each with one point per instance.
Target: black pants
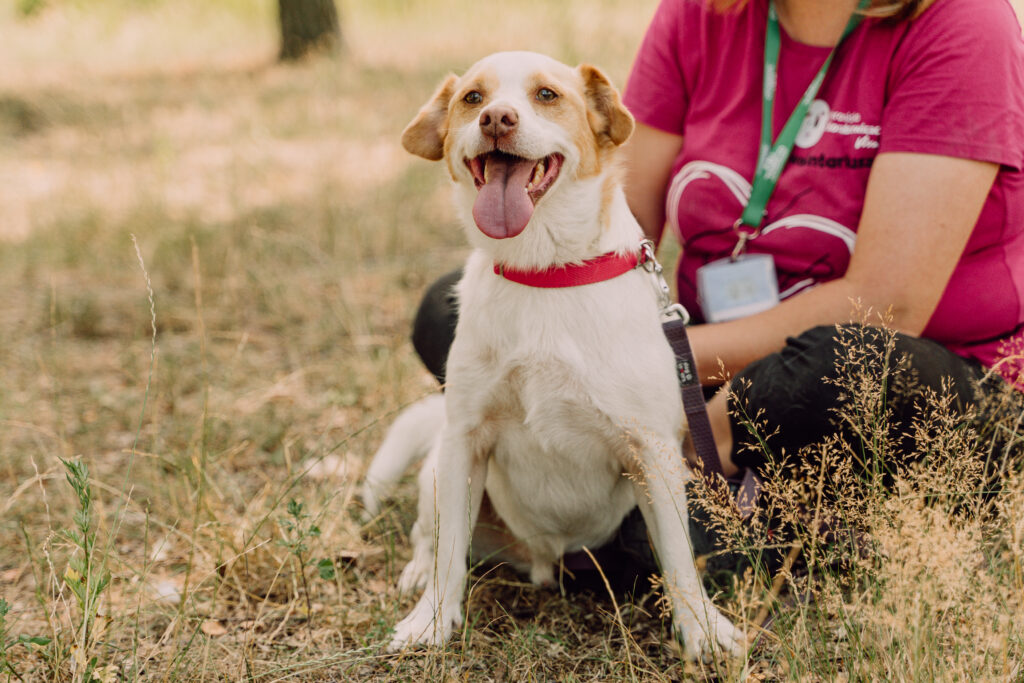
(794, 398)
(433, 329)
(855, 382)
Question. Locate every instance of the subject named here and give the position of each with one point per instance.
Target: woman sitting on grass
(902, 194)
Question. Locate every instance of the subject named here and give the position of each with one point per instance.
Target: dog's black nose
(498, 121)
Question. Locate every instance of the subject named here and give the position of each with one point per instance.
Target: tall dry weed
(909, 536)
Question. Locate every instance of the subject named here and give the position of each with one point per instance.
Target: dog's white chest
(555, 471)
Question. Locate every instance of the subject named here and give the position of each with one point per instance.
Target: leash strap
(693, 401)
(699, 423)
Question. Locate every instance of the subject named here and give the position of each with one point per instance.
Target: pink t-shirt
(950, 82)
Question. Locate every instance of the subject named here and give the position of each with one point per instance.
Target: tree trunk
(308, 26)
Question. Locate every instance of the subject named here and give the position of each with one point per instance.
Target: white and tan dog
(553, 395)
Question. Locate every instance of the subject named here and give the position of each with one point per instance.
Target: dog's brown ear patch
(425, 135)
(607, 116)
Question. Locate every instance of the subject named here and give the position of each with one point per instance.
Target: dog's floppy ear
(608, 118)
(425, 135)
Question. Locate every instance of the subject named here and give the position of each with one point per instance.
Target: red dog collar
(598, 269)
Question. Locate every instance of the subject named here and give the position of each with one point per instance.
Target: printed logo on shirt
(814, 124)
(820, 119)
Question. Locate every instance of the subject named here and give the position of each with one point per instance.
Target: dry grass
(284, 239)
(907, 570)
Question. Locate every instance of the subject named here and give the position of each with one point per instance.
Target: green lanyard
(772, 157)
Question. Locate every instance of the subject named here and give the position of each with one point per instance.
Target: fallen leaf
(213, 628)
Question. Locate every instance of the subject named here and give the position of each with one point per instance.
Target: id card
(730, 289)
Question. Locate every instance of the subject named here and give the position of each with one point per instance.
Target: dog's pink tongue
(502, 208)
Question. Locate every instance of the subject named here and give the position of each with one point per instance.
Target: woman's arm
(649, 156)
(918, 214)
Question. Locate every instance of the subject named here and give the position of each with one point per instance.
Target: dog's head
(516, 127)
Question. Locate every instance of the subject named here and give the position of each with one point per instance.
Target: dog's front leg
(662, 499)
(461, 473)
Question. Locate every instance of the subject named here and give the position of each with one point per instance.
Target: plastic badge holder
(730, 289)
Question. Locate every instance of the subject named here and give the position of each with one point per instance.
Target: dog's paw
(415, 576)
(710, 634)
(542, 574)
(425, 625)
(371, 501)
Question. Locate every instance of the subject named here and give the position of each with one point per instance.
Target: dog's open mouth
(508, 187)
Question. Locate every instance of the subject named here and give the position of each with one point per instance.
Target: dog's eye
(473, 97)
(547, 95)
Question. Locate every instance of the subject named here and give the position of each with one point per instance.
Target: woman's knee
(852, 355)
(787, 399)
(806, 363)
(798, 395)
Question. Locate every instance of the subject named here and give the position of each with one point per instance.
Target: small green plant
(299, 527)
(5, 664)
(86, 575)
(7, 642)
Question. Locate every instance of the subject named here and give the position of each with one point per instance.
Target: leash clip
(649, 262)
(677, 310)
